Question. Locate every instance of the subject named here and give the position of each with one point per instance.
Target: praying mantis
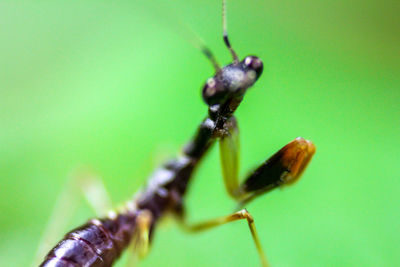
(101, 241)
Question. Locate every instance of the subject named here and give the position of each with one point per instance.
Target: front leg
(239, 215)
(229, 147)
(283, 168)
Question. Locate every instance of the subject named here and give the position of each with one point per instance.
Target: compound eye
(254, 63)
(213, 92)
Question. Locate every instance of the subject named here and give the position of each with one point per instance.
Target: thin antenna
(207, 52)
(183, 30)
(225, 34)
(199, 44)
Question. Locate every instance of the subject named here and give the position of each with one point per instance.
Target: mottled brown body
(100, 242)
(97, 243)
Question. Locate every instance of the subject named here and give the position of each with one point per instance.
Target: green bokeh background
(112, 85)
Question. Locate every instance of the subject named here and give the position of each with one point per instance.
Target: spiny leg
(240, 215)
(283, 168)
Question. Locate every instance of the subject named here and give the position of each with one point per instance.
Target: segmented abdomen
(95, 244)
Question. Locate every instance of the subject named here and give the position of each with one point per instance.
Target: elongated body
(101, 241)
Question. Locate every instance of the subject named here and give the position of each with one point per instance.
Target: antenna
(199, 44)
(225, 34)
(166, 15)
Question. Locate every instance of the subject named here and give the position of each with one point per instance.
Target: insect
(100, 242)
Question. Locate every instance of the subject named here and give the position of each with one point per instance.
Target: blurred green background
(113, 86)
